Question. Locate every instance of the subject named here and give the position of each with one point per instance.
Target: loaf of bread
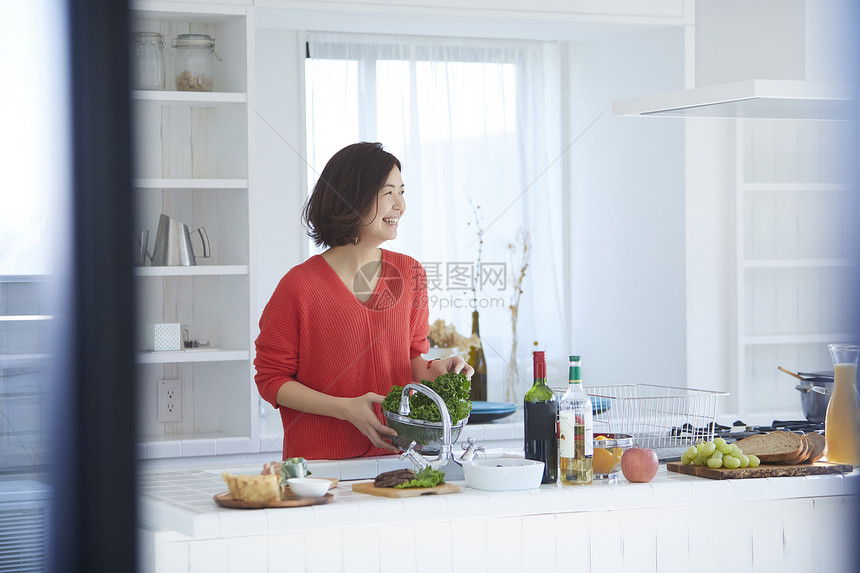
(253, 487)
(819, 446)
(774, 447)
(807, 449)
(804, 452)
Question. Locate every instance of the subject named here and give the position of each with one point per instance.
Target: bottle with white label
(575, 431)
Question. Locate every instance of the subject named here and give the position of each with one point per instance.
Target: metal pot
(815, 394)
(815, 390)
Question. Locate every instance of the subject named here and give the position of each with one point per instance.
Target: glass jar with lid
(194, 62)
(147, 61)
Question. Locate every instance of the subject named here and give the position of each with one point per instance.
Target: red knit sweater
(314, 330)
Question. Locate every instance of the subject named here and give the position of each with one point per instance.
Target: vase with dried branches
(520, 251)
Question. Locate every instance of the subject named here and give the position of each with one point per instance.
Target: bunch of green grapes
(718, 454)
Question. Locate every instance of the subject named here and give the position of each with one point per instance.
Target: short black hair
(345, 191)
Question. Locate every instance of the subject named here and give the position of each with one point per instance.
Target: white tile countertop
(181, 500)
(787, 523)
(663, 525)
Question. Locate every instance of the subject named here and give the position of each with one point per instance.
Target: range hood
(751, 99)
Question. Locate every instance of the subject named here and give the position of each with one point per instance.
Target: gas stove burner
(777, 425)
(688, 429)
(797, 425)
(740, 429)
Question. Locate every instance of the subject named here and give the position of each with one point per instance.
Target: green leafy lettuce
(452, 388)
(427, 477)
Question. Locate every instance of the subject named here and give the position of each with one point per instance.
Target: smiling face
(348, 195)
(380, 223)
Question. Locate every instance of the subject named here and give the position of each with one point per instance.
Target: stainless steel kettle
(173, 244)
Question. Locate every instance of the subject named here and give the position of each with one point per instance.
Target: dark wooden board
(764, 470)
(226, 500)
(368, 488)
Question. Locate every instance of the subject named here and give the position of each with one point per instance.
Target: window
(36, 184)
(476, 126)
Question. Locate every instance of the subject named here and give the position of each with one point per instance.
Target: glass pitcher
(842, 421)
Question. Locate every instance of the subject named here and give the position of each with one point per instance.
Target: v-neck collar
(340, 283)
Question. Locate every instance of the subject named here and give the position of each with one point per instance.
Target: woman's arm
(277, 363)
(357, 411)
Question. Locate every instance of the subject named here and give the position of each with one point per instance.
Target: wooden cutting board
(226, 500)
(764, 470)
(368, 488)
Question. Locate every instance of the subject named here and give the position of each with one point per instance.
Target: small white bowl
(503, 474)
(309, 487)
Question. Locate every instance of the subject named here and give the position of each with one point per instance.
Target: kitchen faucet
(419, 461)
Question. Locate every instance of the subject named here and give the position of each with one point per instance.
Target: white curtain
(474, 123)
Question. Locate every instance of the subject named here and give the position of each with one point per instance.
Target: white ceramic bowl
(309, 487)
(503, 474)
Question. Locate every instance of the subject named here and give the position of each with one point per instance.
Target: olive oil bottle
(477, 360)
(575, 431)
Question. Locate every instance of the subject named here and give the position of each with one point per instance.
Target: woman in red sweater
(344, 326)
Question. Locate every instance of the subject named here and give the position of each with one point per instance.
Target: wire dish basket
(656, 416)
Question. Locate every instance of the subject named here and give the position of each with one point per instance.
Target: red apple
(639, 464)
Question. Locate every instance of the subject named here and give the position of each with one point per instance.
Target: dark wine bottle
(541, 422)
(478, 361)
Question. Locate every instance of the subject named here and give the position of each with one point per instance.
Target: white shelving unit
(190, 99)
(194, 355)
(195, 271)
(193, 163)
(162, 184)
(793, 258)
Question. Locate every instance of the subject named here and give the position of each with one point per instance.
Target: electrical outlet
(169, 400)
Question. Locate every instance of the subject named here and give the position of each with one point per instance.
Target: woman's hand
(454, 364)
(359, 412)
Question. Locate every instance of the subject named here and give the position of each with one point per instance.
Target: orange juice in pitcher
(842, 422)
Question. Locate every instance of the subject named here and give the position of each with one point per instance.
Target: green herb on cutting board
(427, 477)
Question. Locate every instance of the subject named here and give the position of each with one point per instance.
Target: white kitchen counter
(674, 523)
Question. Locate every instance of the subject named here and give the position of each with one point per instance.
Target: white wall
(583, 20)
(652, 259)
(739, 40)
(749, 39)
(281, 170)
(628, 202)
(711, 258)
(773, 39)
(627, 214)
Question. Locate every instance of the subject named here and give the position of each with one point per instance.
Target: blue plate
(599, 404)
(488, 411)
